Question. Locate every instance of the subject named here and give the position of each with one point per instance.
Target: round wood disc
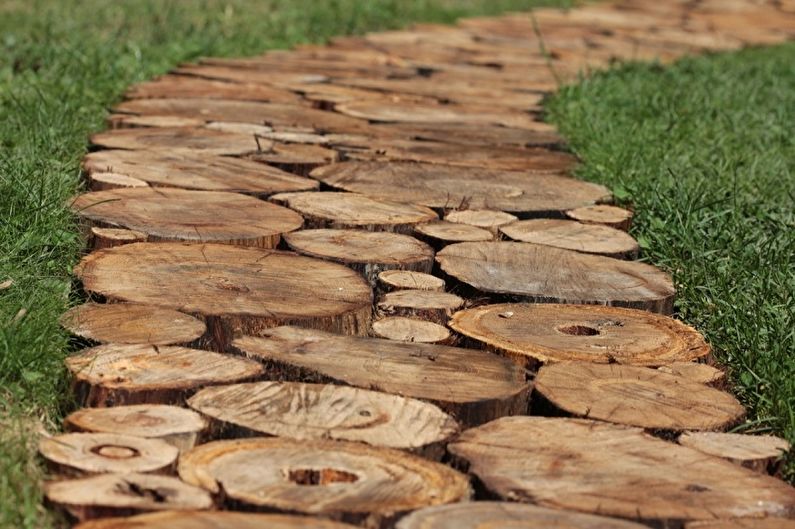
(99, 453)
(556, 333)
(614, 470)
(421, 304)
(115, 374)
(178, 139)
(350, 482)
(744, 523)
(110, 237)
(129, 323)
(443, 232)
(181, 86)
(545, 274)
(410, 280)
(410, 330)
(757, 452)
(482, 218)
(636, 396)
(169, 214)
(697, 372)
(104, 181)
(571, 235)
(440, 186)
(212, 520)
(126, 121)
(464, 134)
(602, 214)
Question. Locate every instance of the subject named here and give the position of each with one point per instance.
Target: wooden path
(356, 284)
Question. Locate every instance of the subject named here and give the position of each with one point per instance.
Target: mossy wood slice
(571, 235)
(212, 520)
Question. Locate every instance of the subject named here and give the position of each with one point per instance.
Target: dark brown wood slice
(212, 520)
(203, 140)
(411, 330)
(409, 280)
(572, 235)
(181, 87)
(110, 237)
(761, 453)
(426, 305)
(603, 214)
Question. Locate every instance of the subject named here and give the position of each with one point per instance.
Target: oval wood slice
(603, 214)
(178, 139)
(473, 386)
(538, 273)
(110, 237)
(744, 523)
(324, 411)
(212, 520)
(104, 181)
(614, 470)
(176, 426)
(482, 218)
(101, 453)
(170, 214)
(129, 323)
(296, 158)
(409, 280)
(464, 134)
(123, 495)
(351, 210)
(572, 235)
(126, 121)
(697, 372)
(636, 396)
(244, 75)
(426, 305)
(234, 290)
(761, 453)
(442, 233)
(115, 374)
(180, 86)
(556, 333)
(350, 482)
(411, 330)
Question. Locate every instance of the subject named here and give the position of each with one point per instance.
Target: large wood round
(571, 235)
(614, 470)
(411, 330)
(234, 290)
(409, 280)
(604, 215)
(556, 333)
(636, 396)
(426, 305)
(538, 273)
(757, 452)
(213, 520)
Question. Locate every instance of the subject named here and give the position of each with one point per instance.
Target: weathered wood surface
(441, 233)
(409, 280)
(744, 523)
(104, 181)
(571, 235)
(761, 453)
(604, 215)
(411, 330)
(179, 139)
(109, 237)
(482, 218)
(697, 372)
(213, 520)
(181, 87)
(426, 305)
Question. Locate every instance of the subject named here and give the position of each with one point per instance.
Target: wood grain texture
(761, 453)
(744, 523)
(212, 520)
(603, 215)
(482, 218)
(182, 87)
(464, 134)
(427, 305)
(409, 280)
(411, 330)
(179, 139)
(104, 181)
(697, 372)
(572, 235)
(110, 237)
(443, 232)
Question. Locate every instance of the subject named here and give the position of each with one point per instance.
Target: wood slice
(557, 333)
(426, 305)
(636, 396)
(350, 210)
(448, 187)
(697, 372)
(240, 75)
(207, 141)
(744, 523)
(116, 374)
(408, 280)
(369, 253)
(130, 323)
(295, 63)
(295, 157)
(176, 426)
(105, 181)
(463, 134)
(761, 453)
(78, 454)
(539, 273)
(482, 218)
(473, 386)
(212, 520)
(614, 470)
(350, 482)
(442, 233)
(126, 121)
(170, 214)
(110, 237)
(124, 495)
(234, 290)
(572, 235)
(411, 330)
(180, 87)
(603, 214)
(323, 411)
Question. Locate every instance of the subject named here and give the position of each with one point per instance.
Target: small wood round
(105, 181)
(760, 453)
(408, 280)
(636, 396)
(442, 233)
(538, 273)
(744, 523)
(129, 323)
(110, 237)
(212, 520)
(201, 140)
(604, 215)
(126, 121)
(114, 374)
(295, 157)
(571, 235)
(696, 372)
(410, 330)
(176, 426)
(170, 214)
(324, 411)
(426, 305)
(349, 482)
(613, 470)
(481, 218)
(124, 495)
(78, 454)
(350, 210)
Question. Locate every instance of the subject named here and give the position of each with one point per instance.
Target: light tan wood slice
(234, 290)
(212, 520)
(110, 237)
(442, 232)
(572, 235)
(247, 76)
(762, 453)
(203, 140)
(295, 63)
(326, 96)
(126, 121)
(555, 333)
(538, 273)
(171, 214)
(124, 495)
(614, 470)
(180, 86)
(744, 523)
(697, 372)
(176, 426)
(349, 482)
(76, 454)
(350, 210)
(104, 181)
(463, 134)
(426, 305)
(473, 386)
(411, 330)
(482, 218)
(408, 280)
(296, 158)
(324, 411)
(116, 374)
(130, 323)
(448, 187)
(603, 214)
(636, 396)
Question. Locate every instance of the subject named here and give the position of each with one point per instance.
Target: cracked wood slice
(182, 87)
(761, 453)
(532, 333)
(171, 214)
(440, 186)
(603, 214)
(426, 305)
(473, 386)
(124, 495)
(325, 209)
(206, 141)
(636, 396)
(538, 273)
(411, 330)
(482, 218)
(442, 232)
(463, 134)
(744, 523)
(76, 454)
(572, 235)
(614, 470)
(130, 323)
(234, 290)
(176, 426)
(349, 482)
(325, 411)
(110, 237)
(116, 374)
(697, 372)
(369, 253)
(104, 181)
(212, 520)
(409, 280)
